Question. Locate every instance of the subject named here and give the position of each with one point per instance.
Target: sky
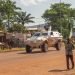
(37, 7)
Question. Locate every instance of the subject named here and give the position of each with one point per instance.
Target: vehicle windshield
(45, 34)
(37, 34)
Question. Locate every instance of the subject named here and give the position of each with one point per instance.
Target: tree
(60, 15)
(17, 28)
(24, 18)
(1, 25)
(10, 10)
(1, 14)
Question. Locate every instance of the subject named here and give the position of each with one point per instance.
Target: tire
(28, 49)
(44, 47)
(57, 46)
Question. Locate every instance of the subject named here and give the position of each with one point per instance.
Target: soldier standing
(69, 53)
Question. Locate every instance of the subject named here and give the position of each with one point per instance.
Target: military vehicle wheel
(28, 49)
(57, 46)
(44, 47)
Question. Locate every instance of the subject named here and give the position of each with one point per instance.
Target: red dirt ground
(50, 63)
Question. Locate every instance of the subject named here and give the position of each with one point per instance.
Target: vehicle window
(44, 34)
(36, 34)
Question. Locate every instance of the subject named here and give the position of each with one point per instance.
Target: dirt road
(19, 63)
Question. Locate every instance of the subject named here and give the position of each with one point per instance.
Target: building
(40, 27)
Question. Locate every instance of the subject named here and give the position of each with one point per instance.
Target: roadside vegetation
(12, 18)
(60, 16)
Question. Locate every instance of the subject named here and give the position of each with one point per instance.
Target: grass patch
(11, 50)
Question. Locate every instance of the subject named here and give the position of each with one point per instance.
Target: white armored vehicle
(43, 40)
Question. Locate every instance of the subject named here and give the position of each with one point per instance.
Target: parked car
(43, 40)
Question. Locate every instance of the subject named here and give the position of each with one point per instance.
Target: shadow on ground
(58, 70)
(35, 52)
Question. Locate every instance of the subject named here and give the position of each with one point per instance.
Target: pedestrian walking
(69, 53)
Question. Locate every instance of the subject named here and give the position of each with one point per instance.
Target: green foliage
(8, 13)
(2, 10)
(24, 18)
(60, 16)
(1, 25)
(10, 10)
(7, 10)
(17, 28)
